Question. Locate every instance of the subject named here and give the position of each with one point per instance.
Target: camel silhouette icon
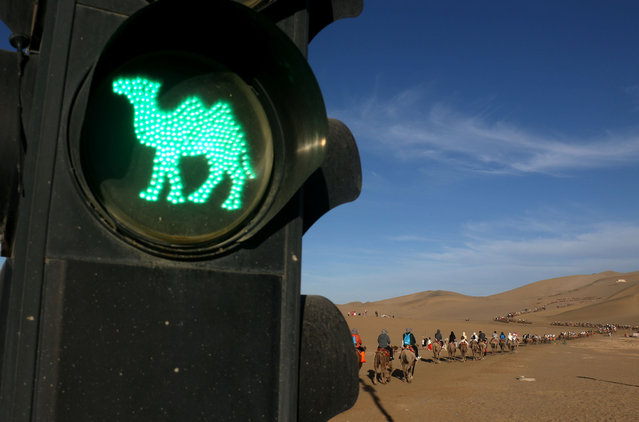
(191, 129)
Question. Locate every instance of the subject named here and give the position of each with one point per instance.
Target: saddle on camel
(385, 351)
(411, 348)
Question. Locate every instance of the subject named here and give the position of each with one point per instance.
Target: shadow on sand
(371, 390)
(612, 382)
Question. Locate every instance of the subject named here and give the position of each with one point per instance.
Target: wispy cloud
(414, 129)
(410, 238)
(608, 241)
(487, 261)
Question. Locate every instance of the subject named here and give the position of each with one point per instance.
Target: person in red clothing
(357, 342)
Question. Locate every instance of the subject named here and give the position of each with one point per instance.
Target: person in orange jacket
(357, 342)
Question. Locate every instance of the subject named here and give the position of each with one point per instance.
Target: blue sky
(499, 144)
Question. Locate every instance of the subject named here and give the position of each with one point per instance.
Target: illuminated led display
(191, 129)
(176, 150)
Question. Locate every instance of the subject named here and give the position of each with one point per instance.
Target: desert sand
(594, 378)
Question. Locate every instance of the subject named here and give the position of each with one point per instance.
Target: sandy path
(588, 379)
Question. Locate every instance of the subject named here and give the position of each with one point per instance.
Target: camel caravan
(408, 353)
(477, 347)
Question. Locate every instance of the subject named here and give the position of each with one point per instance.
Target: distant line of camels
(383, 366)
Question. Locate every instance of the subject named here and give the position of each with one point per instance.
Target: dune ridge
(599, 297)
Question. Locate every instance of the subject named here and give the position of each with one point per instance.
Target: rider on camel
(482, 340)
(452, 338)
(357, 342)
(463, 338)
(383, 342)
(408, 339)
(438, 336)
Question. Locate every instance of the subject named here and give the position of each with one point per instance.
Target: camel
(407, 359)
(512, 344)
(452, 349)
(477, 350)
(463, 349)
(191, 129)
(437, 349)
(383, 367)
(502, 344)
(494, 343)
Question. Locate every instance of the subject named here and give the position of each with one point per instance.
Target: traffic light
(175, 154)
(189, 148)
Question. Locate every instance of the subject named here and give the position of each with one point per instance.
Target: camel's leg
(234, 200)
(175, 195)
(157, 180)
(216, 174)
(236, 172)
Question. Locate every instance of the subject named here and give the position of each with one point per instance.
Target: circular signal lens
(176, 148)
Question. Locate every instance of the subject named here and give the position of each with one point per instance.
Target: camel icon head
(136, 88)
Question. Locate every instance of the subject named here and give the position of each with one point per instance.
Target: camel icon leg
(175, 195)
(234, 200)
(157, 181)
(216, 173)
(202, 194)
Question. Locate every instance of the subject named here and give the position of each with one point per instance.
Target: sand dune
(622, 307)
(601, 297)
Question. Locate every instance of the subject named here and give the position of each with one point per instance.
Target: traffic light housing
(175, 158)
(143, 119)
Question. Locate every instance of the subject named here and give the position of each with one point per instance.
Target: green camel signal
(191, 129)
